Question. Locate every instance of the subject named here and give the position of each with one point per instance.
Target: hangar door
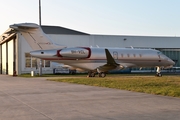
(4, 58)
(10, 53)
(7, 52)
(7, 57)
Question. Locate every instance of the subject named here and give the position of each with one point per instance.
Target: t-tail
(35, 36)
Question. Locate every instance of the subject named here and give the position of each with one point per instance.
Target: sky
(107, 17)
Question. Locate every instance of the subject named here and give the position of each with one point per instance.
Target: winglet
(110, 59)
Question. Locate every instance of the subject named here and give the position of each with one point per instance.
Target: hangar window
(32, 62)
(28, 60)
(38, 62)
(46, 63)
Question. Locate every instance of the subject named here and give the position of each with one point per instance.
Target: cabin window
(115, 55)
(134, 55)
(122, 55)
(140, 55)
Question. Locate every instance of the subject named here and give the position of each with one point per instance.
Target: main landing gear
(158, 72)
(102, 74)
(93, 74)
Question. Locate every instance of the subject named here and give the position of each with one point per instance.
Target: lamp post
(40, 12)
(40, 62)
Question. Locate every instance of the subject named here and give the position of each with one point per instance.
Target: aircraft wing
(110, 65)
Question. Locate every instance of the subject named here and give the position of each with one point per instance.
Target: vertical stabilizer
(35, 37)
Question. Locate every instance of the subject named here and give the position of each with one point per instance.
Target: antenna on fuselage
(97, 46)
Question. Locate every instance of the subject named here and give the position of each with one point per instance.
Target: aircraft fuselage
(89, 58)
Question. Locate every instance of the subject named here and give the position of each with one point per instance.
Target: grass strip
(166, 85)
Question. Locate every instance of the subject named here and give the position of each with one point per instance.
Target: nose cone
(171, 62)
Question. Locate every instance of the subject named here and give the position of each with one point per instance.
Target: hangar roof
(60, 30)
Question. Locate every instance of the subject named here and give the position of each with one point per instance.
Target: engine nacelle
(76, 52)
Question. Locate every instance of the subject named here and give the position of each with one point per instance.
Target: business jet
(98, 60)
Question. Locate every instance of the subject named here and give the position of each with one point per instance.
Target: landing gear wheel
(158, 74)
(102, 74)
(91, 74)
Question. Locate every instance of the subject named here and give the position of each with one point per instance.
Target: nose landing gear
(158, 72)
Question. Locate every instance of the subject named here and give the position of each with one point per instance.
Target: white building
(15, 57)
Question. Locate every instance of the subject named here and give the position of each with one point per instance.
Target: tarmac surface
(39, 99)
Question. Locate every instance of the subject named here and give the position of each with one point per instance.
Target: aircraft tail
(34, 35)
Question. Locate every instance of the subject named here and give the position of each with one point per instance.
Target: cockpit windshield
(160, 53)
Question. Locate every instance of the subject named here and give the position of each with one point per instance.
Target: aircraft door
(115, 55)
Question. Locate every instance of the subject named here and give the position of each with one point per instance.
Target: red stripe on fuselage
(58, 53)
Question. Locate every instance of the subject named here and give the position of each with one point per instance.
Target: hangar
(15, 57)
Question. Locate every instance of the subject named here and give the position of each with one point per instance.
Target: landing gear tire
(91, 74)
(158, 74)
(102, 74)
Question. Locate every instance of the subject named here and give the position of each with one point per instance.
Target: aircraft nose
(172, 62)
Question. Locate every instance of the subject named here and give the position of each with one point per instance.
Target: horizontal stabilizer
(35, 36)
